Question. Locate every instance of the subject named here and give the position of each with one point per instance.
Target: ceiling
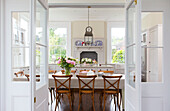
(81, 14)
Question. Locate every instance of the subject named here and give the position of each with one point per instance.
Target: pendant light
(88, 36)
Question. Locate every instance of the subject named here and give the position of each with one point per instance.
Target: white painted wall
(78, 29)
(150, 20)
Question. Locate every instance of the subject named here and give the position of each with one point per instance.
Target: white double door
(39, 57)
(31, 47)
(133, 56)
(149, 95)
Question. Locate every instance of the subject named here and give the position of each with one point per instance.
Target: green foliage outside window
(113, 52)
(118, 56)
(57, 45)
(118, 52)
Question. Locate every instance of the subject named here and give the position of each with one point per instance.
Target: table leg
(123, 99)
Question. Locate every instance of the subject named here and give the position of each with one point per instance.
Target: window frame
(67, 25)
(111, 25)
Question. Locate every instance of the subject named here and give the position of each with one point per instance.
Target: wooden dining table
(99, 83)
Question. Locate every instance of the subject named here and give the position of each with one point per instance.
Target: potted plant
(67, 63)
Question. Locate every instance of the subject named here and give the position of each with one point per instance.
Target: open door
(155, 89)
(133, 66)
(39, 78)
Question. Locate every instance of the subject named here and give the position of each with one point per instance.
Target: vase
(68, 71)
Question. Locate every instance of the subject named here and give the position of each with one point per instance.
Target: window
(115, 43)
(59, 41)
(118, 47)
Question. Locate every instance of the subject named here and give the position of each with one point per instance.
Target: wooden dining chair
(73, 71)
(19, 72)
(111, 72)
(62, 88)
(52, 93)
(111, 88)
(63, 71)
(52, 71)
(52, 89)
(86, 88)
(37, 77)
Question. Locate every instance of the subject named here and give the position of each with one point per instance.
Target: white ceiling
(81, 14)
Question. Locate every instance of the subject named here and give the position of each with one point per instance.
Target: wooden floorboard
(86, 103)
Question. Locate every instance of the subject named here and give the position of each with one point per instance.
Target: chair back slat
(85, 85)
(59, 84)
(37, 77)
(52, 71)
(73, 71)
(19, 72)
(114, 85)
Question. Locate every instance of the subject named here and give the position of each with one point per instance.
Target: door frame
(85, 5)
(32, 51)
(93, 5)
(2, 71)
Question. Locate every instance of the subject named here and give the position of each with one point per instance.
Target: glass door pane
(131, 24)
(20, 46)
(131, 35)
(133, 56)
(41, 45)
(131, 65)
(152, 47)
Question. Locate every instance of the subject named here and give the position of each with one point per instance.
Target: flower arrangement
(88, 61)
(67, 63)
(94, 61)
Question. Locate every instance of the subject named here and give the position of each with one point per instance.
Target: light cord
(88, 16)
